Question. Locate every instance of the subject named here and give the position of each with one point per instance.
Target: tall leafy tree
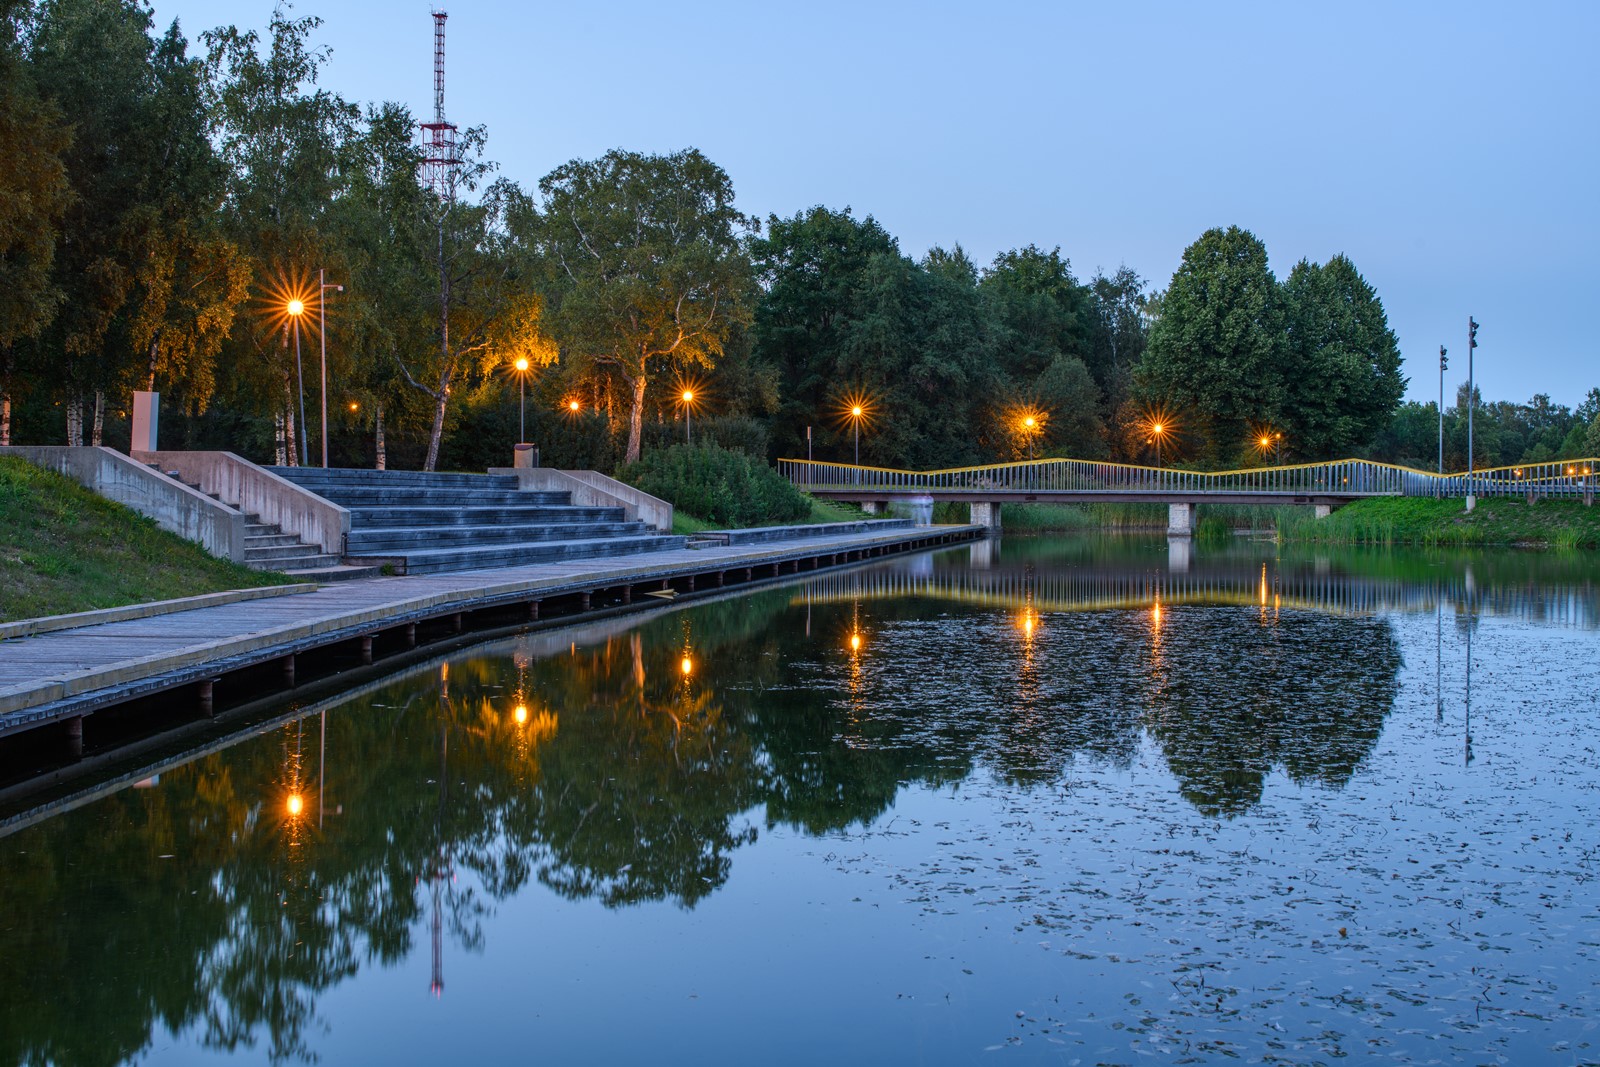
(33, 197)
(648, 271)
(1216, 354)
(1342, 380)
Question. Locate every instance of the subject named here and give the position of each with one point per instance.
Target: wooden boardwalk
(65, 675)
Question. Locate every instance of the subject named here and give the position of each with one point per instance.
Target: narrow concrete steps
(425, 514)
(348, 477)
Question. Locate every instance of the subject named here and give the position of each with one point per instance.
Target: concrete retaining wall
(591, 489)
(173, 505)
(256, 491)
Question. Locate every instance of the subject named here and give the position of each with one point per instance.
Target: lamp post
(1272, 442)
(1029, 424)
(522, 399)
(1443, 363)
(688, 409)
(297, 308)
(322, 333)
(1157, 432)
(1472, 344)
(856, 414)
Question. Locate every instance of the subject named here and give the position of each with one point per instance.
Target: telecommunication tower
(439, 155)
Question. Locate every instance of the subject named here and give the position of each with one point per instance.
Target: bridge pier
(1323, 510)
(1180, 520)
(985, 515)
(874, 507)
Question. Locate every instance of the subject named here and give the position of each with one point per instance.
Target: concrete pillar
(919, 509)
(146, 419)
(1180, 520)
(984, 515)
(873, 507)
(1324, 510)
(524, 457)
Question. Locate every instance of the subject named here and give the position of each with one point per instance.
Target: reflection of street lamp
(522, 399)
(297, 308)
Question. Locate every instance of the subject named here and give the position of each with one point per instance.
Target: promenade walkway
(65, 675)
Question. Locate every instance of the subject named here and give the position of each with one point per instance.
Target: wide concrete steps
(432, 561)
(420, 523)
(379, 540)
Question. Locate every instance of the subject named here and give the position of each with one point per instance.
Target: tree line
(166, 228)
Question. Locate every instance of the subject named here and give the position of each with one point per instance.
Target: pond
(1088, 800)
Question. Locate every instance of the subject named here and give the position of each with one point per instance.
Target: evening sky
(1449, 149)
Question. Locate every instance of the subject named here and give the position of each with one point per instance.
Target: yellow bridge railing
(1571, 478)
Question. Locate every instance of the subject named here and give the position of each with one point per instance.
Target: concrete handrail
(256, 491)
(592, 489)
(174, 506)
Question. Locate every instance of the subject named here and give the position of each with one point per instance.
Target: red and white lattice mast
(439, 156)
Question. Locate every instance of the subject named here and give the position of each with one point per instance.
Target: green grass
(821, 511)
(1420, 521)
(64, 549)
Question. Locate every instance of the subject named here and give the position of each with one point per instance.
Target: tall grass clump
(718, 486)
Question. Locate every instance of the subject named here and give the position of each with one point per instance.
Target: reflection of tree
(625, 780)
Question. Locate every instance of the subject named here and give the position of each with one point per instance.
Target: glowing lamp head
(296, 306)
(521, 364)
(856, 412)
(1029, 422)
(688, 395)
(572, 406)
(520, 714)
(354, 406)
(1158, 429)
(295, 805)
(1265, 441)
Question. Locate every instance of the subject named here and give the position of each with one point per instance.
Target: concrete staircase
(421, 523)
(268, 548)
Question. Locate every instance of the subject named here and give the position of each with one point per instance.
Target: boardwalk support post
(75, 736)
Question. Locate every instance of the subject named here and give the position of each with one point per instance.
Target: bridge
(1323, 486)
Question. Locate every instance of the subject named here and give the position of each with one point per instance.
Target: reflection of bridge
(1254, 585)
(1076, 481)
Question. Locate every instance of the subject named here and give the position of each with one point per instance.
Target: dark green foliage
(718, 485)
(737, 433)
(1216, 355)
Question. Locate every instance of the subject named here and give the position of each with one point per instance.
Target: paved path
(68, 673)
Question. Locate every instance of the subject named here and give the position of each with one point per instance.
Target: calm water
(1044, 801)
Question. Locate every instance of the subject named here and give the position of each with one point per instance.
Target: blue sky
(1449, 149)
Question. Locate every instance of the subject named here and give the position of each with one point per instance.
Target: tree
(1040, 307)
(647, 267)
(1343, 380)
(33, 197)
(1216, 354)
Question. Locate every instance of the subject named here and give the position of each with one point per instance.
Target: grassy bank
(821, 511)
(1417, 521)
(64, 549)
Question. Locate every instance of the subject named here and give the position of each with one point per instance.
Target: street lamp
(1157, 432)
(688, 408)
(1271, 441)
(322, 333)
(297, 308)
(522, 399)
(1029, 423)
(857, 413)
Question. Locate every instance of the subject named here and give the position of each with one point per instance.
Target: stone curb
(50, 623)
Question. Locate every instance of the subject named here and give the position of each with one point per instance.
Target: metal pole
(1441, 408)
(300, 382)
(522, 408)
(322, 334)
(1472, 343)
(857, 426)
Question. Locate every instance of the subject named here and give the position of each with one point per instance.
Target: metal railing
(1572, 478)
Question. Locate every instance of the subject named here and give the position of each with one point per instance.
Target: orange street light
(296, 308)
(521, 367)
(688, 410)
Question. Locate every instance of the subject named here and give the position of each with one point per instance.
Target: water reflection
(628, 765)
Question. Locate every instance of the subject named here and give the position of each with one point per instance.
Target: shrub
(717, 485)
